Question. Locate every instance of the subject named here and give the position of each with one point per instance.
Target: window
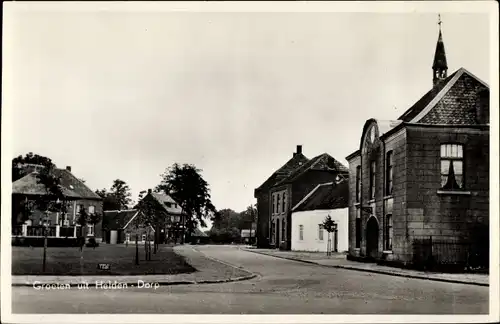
(143, 237)
(372, 180)
(452, 166)
(274, 204)
(78, 208)
(90, 230)
(388, 232)
(127, 237)
(273, 226)
(320, 232)
(358, 228)
(278, 204)
(283, 209)
(301, 232)
(358, 182)
(389, 163)
(283, 229)
(91, 210)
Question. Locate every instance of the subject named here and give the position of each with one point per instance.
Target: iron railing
(430, 253)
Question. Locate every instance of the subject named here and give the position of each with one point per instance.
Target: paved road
(283, 287)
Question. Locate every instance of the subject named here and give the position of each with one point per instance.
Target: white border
(490, 7)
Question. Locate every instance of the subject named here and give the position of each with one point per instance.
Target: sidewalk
(209, 270)
(338, 260)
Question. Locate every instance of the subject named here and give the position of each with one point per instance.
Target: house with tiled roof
(126, 226)
(121, 226)
(78, 195)
(419, 185)
(326, 199)
(285, 188)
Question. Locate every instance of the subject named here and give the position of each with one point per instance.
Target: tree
(248, 218)
(18, 171)
(120, 191)
(53, 200)
(109, 201)
(154, 215)
(330, 226)
(187, 187)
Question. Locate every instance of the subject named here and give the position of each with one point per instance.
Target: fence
(39, 231)
(430, 253)
(66, 231)
(17, 230)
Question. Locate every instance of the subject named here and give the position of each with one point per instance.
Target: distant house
(172, 221)
(248, 235)
(76, 192)
(125, 226)
(174, 224)
(199, 237)
(285, 188)
(309, 214)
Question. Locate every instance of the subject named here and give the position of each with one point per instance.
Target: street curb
(374, 271)
(251, 275)
(165, 283)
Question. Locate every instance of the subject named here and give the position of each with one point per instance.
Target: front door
(372, 238)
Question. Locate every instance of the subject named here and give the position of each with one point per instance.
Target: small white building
(310, 213)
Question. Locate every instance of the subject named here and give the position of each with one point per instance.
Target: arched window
(358, 183)
(388, 232)
(388, 175)
(283, 229)
(372, 179)
(358, 228)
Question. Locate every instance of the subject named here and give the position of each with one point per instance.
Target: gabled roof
(453, 90)
(321, 162)
(325, 196)
(295, 162)
(167, 202)
(72, 186)
(118, 219)
(423, 102)
(198, 233)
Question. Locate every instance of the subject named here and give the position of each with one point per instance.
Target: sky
(124, 95)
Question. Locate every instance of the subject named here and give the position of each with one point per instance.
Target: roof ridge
(439, 95)
(80, 181)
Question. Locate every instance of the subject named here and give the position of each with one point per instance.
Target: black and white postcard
(206, 162)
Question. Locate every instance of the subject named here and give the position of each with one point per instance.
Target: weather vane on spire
(439, 21)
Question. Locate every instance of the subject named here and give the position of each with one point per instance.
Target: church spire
(440, 66)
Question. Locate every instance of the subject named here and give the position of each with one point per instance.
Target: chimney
(68, 168)
(299, 149)
(149, 191)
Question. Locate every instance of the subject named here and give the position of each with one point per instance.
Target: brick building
(122, 226)
(284, 189)
(419, 185)
(78, 196)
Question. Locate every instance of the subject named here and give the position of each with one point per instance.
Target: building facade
(34, 222)
(287, 187)
(419, 185)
